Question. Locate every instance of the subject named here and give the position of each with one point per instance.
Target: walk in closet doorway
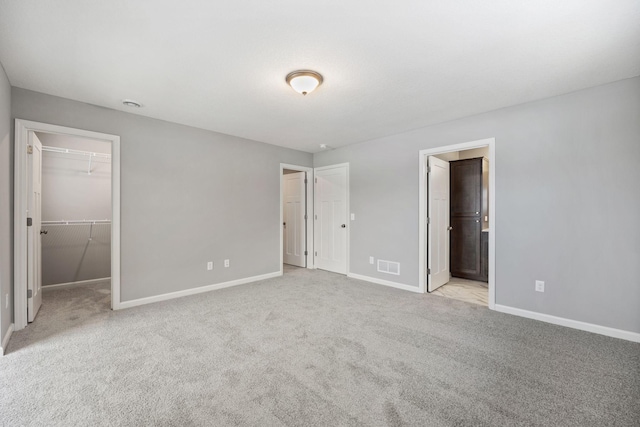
(75, 227)
(67, 222)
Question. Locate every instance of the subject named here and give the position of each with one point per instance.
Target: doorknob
(43, 232)
(449, 228)
(344, 226)
(284, 224)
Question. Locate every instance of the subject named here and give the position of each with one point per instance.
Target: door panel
(34, 248)
(466, 187)
(294, 223)
(437, 228)
(465, 247)
(331, 219)
(484, 256)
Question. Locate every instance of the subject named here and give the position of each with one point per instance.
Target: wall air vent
(389, 267)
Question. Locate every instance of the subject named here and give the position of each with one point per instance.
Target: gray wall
(476, 152)
(68, 191)
(75, 252)
(567, 174)
(188, 196)
(6, 206)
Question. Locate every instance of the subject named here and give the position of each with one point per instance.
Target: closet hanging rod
(77, 152)
(77, 221)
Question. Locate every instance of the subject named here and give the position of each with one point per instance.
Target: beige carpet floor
(309, 349)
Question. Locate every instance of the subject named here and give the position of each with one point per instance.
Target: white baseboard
(575, 324)
(194, 291)
(384, 282)
(5, 341)
(79, 282)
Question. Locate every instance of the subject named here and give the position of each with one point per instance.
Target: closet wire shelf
(91, 222)
(92, 155)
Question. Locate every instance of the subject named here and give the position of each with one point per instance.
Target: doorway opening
(67, 218)
(457, 226)
(296, 225)
(75, 226)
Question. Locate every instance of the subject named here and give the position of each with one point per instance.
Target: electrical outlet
(353, 217)
(371, 260)
(226, 263)
(539, 286)
(210, 265)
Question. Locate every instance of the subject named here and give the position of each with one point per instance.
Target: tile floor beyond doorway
(465, 290)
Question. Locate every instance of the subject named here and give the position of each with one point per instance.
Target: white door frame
(422, 251)
(22, 129)
(348, 208)
(309, 213)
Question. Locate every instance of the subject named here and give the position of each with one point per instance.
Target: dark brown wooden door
(466, 187)
(465, 247)
(484, 257)
(466, 218)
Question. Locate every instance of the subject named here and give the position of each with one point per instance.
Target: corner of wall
(6, 212)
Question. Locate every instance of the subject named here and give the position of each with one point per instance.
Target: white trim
(310, 212)
(5, 341)
(491, 143)
(385, 282)
(194, 291)
(79, 282)
(22, 129)
(569, 323)
(348, 219)
(115, 224)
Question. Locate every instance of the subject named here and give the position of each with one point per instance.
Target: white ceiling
(388, 67)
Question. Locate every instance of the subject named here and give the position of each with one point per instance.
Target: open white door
(437, 223)
(34, 249)
(293, 215)
(331, 219)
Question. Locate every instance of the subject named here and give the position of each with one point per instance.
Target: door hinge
(29, 149)
(305, 216)
(428, 271)
(29, 222)
(305, 180)
(29, 293)
(316, 216)
(306, 253)
(316, 253)
(316, 180)
(428, 220)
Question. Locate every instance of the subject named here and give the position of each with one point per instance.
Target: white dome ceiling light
(304, 81)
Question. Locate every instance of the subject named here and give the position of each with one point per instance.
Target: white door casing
(423, 213)
(21, 206)
(331, 204)
(438, 222)
(294, 211)
(34, 252)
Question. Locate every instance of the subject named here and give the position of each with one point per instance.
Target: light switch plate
(539, 286)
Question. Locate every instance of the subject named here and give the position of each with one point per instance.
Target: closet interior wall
(76, 210)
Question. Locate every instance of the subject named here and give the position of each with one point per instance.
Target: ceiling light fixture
(304, 81)
(131, 103)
